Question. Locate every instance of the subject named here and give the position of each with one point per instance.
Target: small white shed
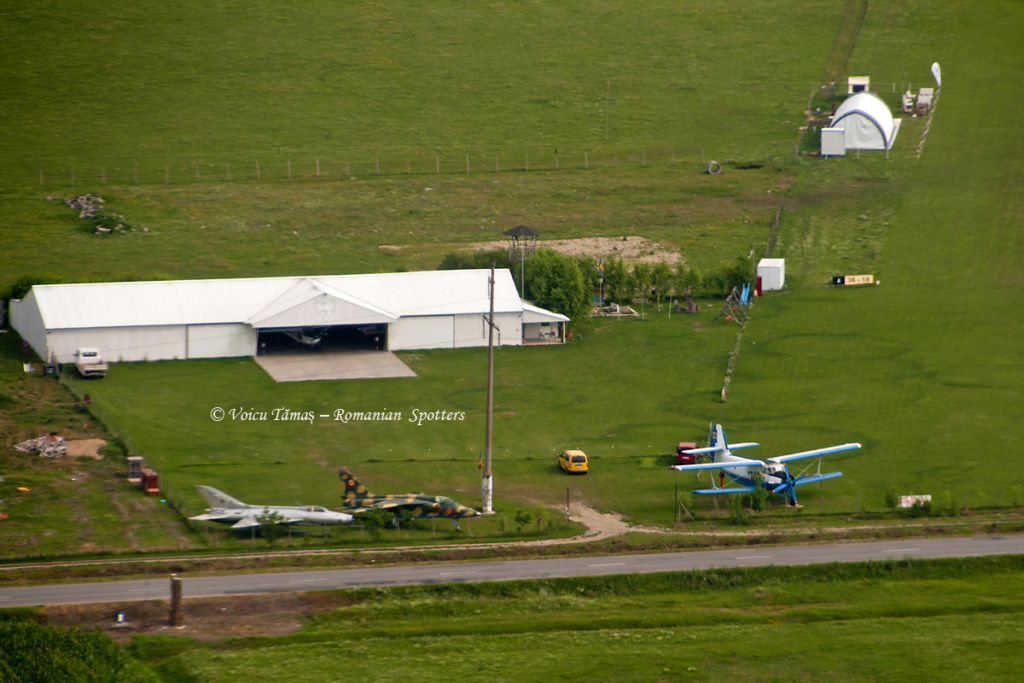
(833, 142)
(772, 272)
(856, 84)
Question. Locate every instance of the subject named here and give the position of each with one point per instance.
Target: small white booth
(772, 272)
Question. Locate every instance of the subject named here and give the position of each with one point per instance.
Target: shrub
(759, 498)
(738, 514)
(35, 652)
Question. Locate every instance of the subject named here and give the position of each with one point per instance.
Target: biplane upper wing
(816, 452)
(740, 462)
(713, 449)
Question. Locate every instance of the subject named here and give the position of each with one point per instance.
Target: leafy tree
(555, 282)
(617, 285)
(472, 260)
(642, 279)
(619, 282)
(661, 279)
(728, 275)
(715, 283)
(588, 267)
(738, 273)
(687, 277)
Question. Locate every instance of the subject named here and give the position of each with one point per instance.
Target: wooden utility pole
(177, 619)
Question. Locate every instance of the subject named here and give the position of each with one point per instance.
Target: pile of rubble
(49, 446)
(87, 204)
(90, 208)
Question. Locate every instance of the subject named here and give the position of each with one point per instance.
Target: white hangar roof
(533, 314)
(266, 302)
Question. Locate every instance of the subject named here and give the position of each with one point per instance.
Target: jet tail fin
(219, 499)
(353, 487)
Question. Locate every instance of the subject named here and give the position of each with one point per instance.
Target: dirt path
(600, 525)
(632, 248)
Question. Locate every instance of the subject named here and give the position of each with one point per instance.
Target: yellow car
(573, 462)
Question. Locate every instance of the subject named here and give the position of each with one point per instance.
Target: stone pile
(87, 205)
(90, 208)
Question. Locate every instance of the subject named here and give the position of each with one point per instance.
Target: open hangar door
(326, 339)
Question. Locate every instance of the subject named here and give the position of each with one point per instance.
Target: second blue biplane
(775, 476)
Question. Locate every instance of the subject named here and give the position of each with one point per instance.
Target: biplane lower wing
(730, 489)
(800, 481)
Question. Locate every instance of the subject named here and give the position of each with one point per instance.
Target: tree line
(568, 285)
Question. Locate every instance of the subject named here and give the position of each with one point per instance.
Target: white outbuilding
(862, 121)
(772, 273)
(187, 319)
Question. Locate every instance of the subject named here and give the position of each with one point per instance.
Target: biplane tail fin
(718, 446)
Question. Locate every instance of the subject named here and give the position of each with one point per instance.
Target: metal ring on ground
(714, 168)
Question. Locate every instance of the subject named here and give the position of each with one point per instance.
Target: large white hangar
(188, 319)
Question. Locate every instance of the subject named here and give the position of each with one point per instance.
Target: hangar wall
(453, 332)
(118, 345)
(28, 322)
(221, 341)
(435, 332)
(169, 342)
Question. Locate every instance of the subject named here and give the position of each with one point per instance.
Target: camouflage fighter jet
(358, 499)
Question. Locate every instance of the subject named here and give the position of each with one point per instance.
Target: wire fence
(86, 173)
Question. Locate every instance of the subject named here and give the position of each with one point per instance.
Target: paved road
(283, 582)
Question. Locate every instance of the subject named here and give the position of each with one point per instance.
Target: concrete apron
(303, 367)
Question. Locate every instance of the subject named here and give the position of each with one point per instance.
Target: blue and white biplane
(775, 475)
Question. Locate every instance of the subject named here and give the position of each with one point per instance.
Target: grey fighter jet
(227, 510)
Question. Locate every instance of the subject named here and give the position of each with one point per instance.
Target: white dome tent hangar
(862, 121)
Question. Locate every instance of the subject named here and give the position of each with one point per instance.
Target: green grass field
(219, 83)
(954, 621)
(154, 105)
(922, 370)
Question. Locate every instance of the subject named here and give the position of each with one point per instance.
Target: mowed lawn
(149, 87)
(924, 370)
(929, 364)
(624, 391)
(878, 621)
